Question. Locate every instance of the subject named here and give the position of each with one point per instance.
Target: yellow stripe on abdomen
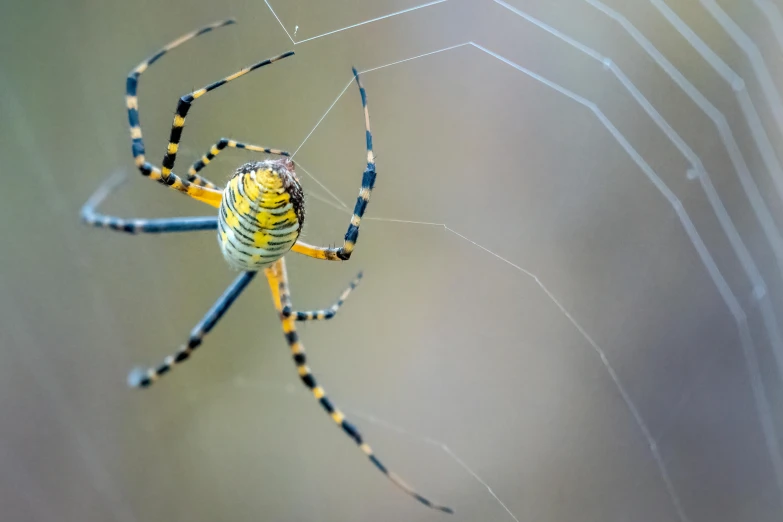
(258, 222)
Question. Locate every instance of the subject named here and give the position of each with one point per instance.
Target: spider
(260, 216)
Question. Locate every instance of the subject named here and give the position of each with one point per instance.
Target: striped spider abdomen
(261, 214)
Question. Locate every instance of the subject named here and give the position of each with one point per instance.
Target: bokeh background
(572, 297)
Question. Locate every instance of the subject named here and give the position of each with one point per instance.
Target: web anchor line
(390, 15)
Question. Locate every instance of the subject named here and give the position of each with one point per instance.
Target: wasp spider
(260, 216)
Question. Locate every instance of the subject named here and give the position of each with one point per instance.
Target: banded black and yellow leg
(206, 195)
(186, 101)
(278, 285)
(193, 175)
(317, 315)
(344, 252)
(91, 216)
(143, 378)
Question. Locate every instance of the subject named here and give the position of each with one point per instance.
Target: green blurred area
(509, 236)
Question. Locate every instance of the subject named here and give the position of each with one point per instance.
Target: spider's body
(261, 214)
(259, 217)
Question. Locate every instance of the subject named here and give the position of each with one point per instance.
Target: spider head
(289, 164)
(270, 172)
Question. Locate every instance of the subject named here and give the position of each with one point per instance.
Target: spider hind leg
(278, 284)
(145, 377)
(323, 314)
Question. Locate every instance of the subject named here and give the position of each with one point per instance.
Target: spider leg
(91, 216)
(344, 252)
(326, 313)
(278, 284)
(186, 101)
(206, 195)
(222, 143)
(143, 378)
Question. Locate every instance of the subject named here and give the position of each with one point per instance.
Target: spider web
(573, 261)
(696, 171)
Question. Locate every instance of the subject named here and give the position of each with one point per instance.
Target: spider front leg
(143, 378)
(164, 175)
(222, 143)
(185, 103)
(318, 315)
(205, 195)
(278, 285)
(344, 252)
(91, 216)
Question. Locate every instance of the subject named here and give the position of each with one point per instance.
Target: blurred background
(572, 299)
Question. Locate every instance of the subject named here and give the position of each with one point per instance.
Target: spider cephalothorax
(261, 214)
